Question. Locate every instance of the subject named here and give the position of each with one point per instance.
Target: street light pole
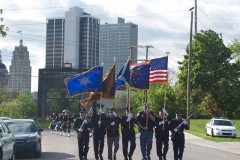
(189, 69)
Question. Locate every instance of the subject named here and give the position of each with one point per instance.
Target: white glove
(115, 114)
(80, 130)
(113, 123)
(165, 112)
(85, 121)
(184, 122)
(130, 116)
(162, 122)
(100, 111)
(99, 122)
(128, 119)
(175, 129)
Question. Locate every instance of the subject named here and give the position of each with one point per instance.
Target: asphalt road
(55, 147)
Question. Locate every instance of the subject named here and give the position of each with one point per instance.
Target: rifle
(174, 133)
(80, 133)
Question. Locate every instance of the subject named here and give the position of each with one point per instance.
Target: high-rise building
(115, 41)
(20, 69)
(73, 39)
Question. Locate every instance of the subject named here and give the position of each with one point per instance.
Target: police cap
(113, 109)
(98, 105)
(82, 110)
(160, 109)
(146, 106)
(178, 113)
(126, 108)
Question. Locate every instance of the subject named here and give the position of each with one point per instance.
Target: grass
(43, 124)
(197, 127)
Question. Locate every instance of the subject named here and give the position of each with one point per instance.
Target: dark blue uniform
(179, 138)
(128, 134)
(99, 132)
(146, 136)
(162, 136)
(83, 140)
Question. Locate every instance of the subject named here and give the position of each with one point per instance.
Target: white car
(219, 126)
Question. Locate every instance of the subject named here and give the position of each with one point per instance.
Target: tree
(212, 72)
(3, 28)
(235, 48)
(26, 103)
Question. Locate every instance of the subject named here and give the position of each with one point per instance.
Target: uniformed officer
(67, 120)
(99, 130)
(177, 127)
(128, 134)
(53, 124)
(162, 133)
(81, 126)
(146, 121)
(59, 122)
(112, 125)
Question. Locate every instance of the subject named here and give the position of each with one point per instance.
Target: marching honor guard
(53, 122)
(98, 122)
(162, 133)
(146, 121)
(81, 126)
(128, 134)
(113, 122)
(177, 127)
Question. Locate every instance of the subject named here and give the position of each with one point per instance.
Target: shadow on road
(46, 156)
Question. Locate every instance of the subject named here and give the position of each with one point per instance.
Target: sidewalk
(231, 147)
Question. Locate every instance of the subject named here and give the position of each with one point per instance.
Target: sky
(164, 24)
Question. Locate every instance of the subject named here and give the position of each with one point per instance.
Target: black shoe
(100, 157)
(125, 158)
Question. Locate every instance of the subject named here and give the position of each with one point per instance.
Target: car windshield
(222, 123)
(16, 127)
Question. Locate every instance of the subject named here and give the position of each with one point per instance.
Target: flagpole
(129, 59)
(100, 116)
(165, 95)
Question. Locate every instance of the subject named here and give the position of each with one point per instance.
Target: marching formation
(110, 124)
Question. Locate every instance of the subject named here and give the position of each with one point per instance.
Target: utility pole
(189, 68)
(195, 17)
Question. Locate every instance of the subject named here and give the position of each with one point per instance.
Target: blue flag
(89, 81)
(123, 76)
(139, 76)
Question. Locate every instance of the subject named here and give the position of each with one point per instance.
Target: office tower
(115, 40)
(73, 39)
(20, 69)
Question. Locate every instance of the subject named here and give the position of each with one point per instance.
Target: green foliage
(3, 28)
(21, 107)
(235, 48)
(212, 73)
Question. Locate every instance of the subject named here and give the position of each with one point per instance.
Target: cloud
(163, 24)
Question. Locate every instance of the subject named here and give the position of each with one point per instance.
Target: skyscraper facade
(115, 41)
(73, 39)
(20, 69)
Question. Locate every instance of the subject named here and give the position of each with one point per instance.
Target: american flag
(158, 70)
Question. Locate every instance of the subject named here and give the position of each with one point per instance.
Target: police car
(220, 126)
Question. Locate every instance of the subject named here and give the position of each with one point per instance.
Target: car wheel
(206, 132)
(212, 133)
(13, 154)
(38, 154)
